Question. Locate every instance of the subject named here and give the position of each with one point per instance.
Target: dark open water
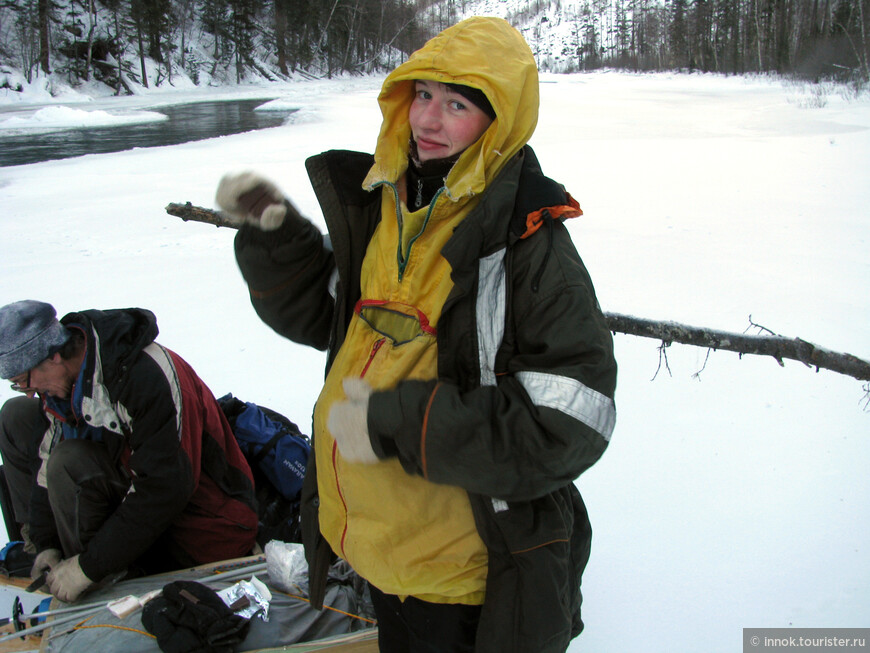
(186, 122)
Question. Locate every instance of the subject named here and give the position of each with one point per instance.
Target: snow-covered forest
(141, 43)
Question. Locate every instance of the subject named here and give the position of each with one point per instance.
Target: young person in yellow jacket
(470, 372)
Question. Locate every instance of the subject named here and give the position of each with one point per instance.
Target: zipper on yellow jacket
(405, 535)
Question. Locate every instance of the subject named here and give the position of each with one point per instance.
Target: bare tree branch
(663, 358)
(697, 375)
(761, 329)
(779, 347)
(776, 346)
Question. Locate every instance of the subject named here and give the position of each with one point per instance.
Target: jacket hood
(482, 52)
(123, 333)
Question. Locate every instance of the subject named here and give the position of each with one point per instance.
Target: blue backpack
(271, 443)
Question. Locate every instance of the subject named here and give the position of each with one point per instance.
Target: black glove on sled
(191, 618)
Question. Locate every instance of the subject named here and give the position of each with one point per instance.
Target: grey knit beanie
(29, 333)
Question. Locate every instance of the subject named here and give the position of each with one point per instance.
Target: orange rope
(81, 626)
(132, 630)
(329, 607)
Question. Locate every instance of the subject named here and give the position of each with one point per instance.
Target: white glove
(67, 581)
(348, 422)
(44, 561)
(248, 197)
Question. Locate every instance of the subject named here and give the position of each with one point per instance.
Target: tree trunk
(281, 35)
(866, 46)
(351, 35)
(92, 22)
(120, 53)
(758, 35)
(43, 17)
(142, 55)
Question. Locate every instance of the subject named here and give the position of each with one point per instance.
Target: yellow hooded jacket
(404, 534)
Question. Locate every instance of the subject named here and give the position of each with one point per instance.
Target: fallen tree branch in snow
(778, 347)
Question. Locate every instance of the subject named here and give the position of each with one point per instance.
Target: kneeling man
(137, 467)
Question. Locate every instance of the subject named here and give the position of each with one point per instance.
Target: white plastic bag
(286, 565)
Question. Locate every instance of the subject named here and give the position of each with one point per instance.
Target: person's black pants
(415, 626)
(84, 489)
(84, 485)
(21, 428)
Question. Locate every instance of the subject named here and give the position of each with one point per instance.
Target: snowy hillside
(552, 28)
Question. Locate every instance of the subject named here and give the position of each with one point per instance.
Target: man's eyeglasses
(18, 386)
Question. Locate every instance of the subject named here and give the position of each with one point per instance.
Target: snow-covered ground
(59, 117)
(735, 498)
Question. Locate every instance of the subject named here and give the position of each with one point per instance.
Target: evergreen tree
(679, 41)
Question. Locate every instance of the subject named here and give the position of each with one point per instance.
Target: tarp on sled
(347, 609)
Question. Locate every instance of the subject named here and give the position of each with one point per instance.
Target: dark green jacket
(523, 403)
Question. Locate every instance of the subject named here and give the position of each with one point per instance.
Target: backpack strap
(266, 448)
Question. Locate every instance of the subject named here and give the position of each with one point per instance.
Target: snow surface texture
(739, 498)
(58, 117)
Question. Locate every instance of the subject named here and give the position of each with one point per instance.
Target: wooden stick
(188, 211)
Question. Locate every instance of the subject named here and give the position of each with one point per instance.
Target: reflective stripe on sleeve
(491, 298)
(562, 393)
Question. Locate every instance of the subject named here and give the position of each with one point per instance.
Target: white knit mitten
(348, 423)
(248, 197)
